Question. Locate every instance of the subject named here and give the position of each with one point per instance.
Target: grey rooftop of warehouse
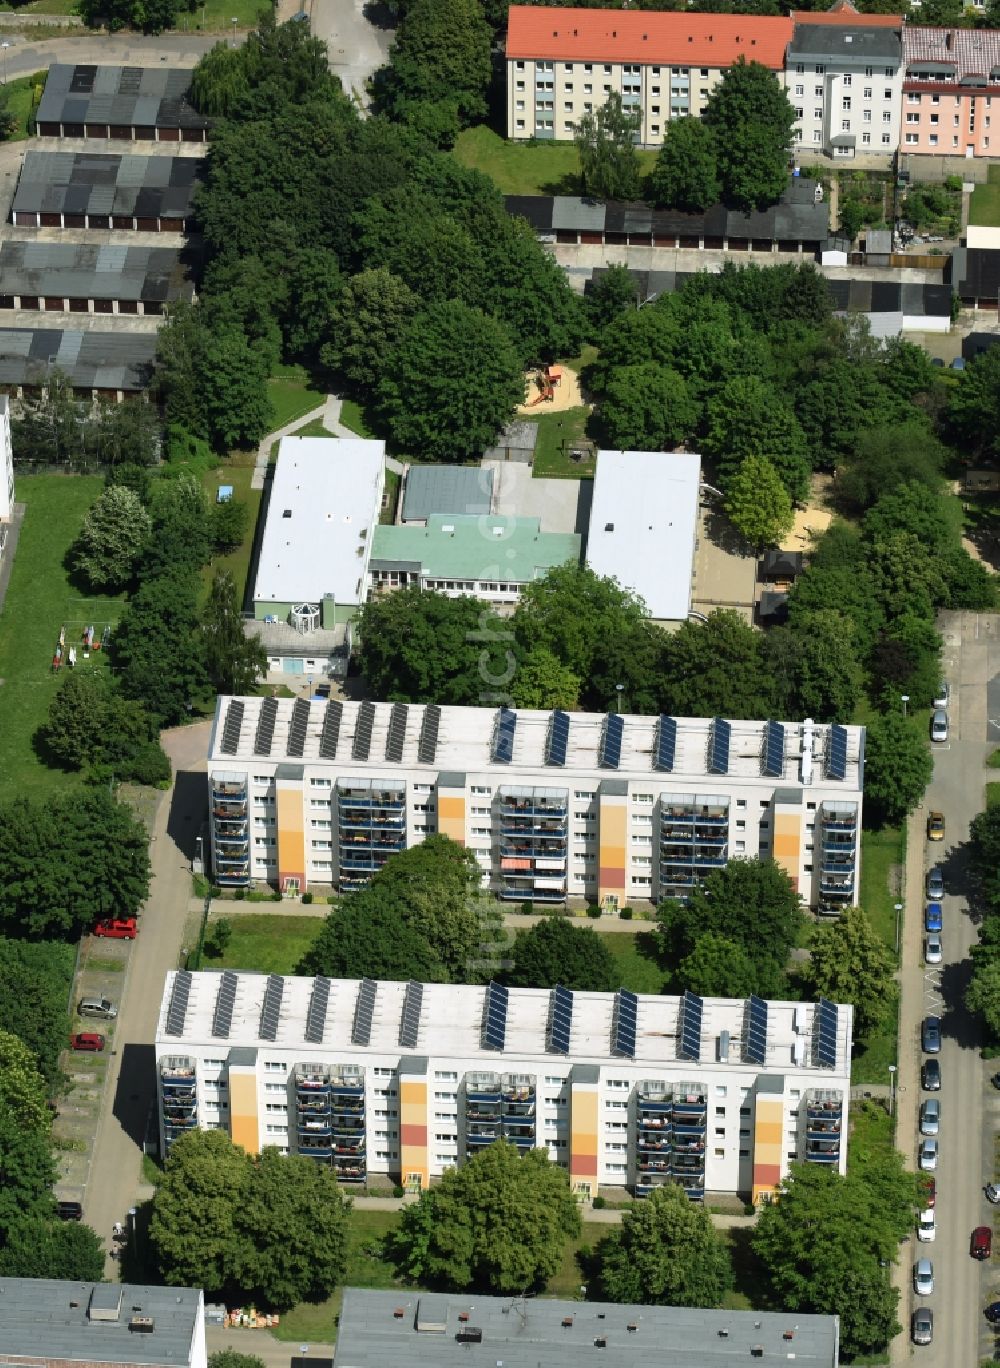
(89, 358)
(45, 1319)
(382, 1329)
(76, 270)
(151, 97)
(106, 183)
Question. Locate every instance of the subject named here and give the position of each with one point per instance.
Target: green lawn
(40, 600)
(23, 96)
(264, 942)
(992, 795)
(636, 962)
(314, 428)
(558, 435)
(352, 416)
(315, 1322)
(292, 396)
(390, 497)
(543, 168)
(882, 856)
(238, 561)
(984, 207)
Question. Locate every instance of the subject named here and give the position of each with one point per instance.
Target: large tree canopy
(554, 951)
(751, 118)
(666, 1253)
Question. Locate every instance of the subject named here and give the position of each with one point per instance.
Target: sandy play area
(813, 520)
(565, 395)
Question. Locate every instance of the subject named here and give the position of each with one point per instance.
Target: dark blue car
(933, 918)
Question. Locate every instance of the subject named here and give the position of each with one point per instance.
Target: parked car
(935, 826)
(930, 1035)
(69, 1211)
(930, 1117)
(933, 917)
(923, 1277)
(981, 1244)
(87, 1040)
(935, 883)
(928, 1155)
(926, 1226)
(928, 1187)
(930, 1075)
(992, 1191)
(923, 1325)
(995, 1080)
(992, 1313)
(943, 696)
(933, 952)
(118, 928)
(939, 725)
(97, 1007)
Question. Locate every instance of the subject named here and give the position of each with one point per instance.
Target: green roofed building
(489, 557)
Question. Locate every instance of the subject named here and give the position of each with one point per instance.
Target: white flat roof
(643, 525)
(324, 502)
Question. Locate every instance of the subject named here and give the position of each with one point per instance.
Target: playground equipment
(546, 380)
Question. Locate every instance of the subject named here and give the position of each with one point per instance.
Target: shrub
(306, 899)
(626, 914)
(599, 1203)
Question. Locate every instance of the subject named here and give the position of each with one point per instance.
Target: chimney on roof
(948, 38)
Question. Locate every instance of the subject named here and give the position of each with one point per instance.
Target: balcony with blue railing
(234, 787)
(533, 805)
(822, 1152)
(318, 1125)
(178, 1073)
(530, 893)
(836, 887)
(478, 1135)
(350, 1147)
(312, 1080)
(689, 1100)
(320, 1150)
(654, 1098)
(710, 815)
(519, 1133)
(372, 799)
(648, 1180)
(349, 1172)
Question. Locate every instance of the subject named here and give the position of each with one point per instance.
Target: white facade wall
(844, 96)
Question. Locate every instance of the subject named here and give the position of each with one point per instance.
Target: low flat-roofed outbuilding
(103, 364)
(90, 278)
(105, 190)
(149, 104)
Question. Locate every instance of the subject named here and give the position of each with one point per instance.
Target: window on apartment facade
(886, 139)
(913, 118)
(866, 138)
(818, 92)
(588, 88)
(889, 72)
(519, 66)
(817, 136)
(820, 70)
(845, 125)
(913, 99)
(867, 93)
(932, 140)
(798, 113)
(845, 102)
(934, 118)
(866, 116)
(817, 113)
(799, 69)
(847, 79)
(887, 116)
(800, 90)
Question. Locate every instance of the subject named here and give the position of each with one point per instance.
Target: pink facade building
(951, 92)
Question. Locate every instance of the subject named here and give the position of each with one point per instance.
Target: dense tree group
(56, 427)
(665, 1253)
(983, 993)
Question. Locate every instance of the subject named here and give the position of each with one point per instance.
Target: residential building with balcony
(844, 80)
(950, 79)
(407, 1080)
(564, 63)
(609, 808)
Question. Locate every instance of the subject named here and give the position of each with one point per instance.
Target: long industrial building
(146, 104)
(411, 1079)
(104, 190)
(612, 809)
(77, 277)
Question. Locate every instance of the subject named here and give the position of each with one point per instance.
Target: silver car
(923, 1277)
(939, 725)
(930, 1116)
(933, 952)
(923, 1325)
(928, 1155)
(943, 695)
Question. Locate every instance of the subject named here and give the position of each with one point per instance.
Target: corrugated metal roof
(99, 183)
(147, 96)
(90, 358)
(85, 271)
(446, 489)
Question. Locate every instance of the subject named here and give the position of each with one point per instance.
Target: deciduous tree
(757, 503)
(815, 666)
(666, 1253)
(193, 1230)
(898, 768)
(751, 119)
(234, 659)
(615, 291)
(157, 649)
(441, 55)
(983, 993)
(35, 980)
(90, 727)
(541, 681)
(111, 540)
(553, 951)
(647, 408)
(605, 140)
(717, 967)
(40, 1247)
(367, 319)
(364, 940)
(498, 1224)
(27, 1172)
(22, 1087)
(850, 962)
(748, 417)
(686, 172)
(717, 668)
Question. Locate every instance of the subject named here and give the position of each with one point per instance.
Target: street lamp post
(235, 21)
(618, 699)
(3, 47)
(899, 908)
(892, 1089)
(906, 699)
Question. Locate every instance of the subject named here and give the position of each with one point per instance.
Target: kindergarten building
(607, 808)
(407, 1080)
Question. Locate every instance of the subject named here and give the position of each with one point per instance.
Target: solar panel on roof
(397, 733)
(825, 1023)
(364, 1010)
(270, 1010)
(719, 735)
(773, 757)
(319, 999)
(362, 743)
(612, 733)
(666, 742)
(429, 726)
(409, 1026)
(225, 1001)
(623, 1023)
(560, 1019)
(231, 727)
(836, 752)
(330, 734)
(503, 736)
(689, 1043)
(266, 719)
(177, 1007)
(557, 739)
(755, 1031)
(297, 728)
(495, 1016)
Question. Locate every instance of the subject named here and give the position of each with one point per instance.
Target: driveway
(970, 1112)
(130, 1094)
(357, 47)
(27, 54)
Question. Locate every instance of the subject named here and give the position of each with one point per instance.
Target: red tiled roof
(843, 12)
(586, 35)
(969, 52)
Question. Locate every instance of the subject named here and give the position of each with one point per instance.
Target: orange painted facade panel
(291, 831)
(613, 847)
(244, 1122)
(768, 1136)
(451, 816)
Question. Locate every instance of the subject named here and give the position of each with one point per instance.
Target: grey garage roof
(583, 215)
(101, 183)
(381, 1328)
(81, 1322)
(144, 96)
(67, 270)
(446, 489)
(91, 359)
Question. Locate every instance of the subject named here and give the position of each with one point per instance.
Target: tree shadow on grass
(749, 1276)
(567, 184)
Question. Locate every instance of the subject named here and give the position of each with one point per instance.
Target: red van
(982, 1243)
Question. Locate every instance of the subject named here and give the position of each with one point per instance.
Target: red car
(118, 928)
(982, 1243)
(930, 1191)
(87, 1040)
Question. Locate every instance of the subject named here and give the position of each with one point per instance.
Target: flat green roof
(467, 547)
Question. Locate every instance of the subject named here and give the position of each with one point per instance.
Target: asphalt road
(26, 54)
(970, 1112)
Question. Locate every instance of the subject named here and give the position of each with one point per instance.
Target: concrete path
(263, 1345)
(264, 449)
(130, 1092)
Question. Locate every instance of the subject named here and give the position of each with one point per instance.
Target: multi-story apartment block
(844, 81)
(951, 78)
(411, 1079)
(554, 805)
(564, 63)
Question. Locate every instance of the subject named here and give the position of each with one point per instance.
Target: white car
(933, 953)
(926, 1226)
(923, 1277)
(943, 695)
